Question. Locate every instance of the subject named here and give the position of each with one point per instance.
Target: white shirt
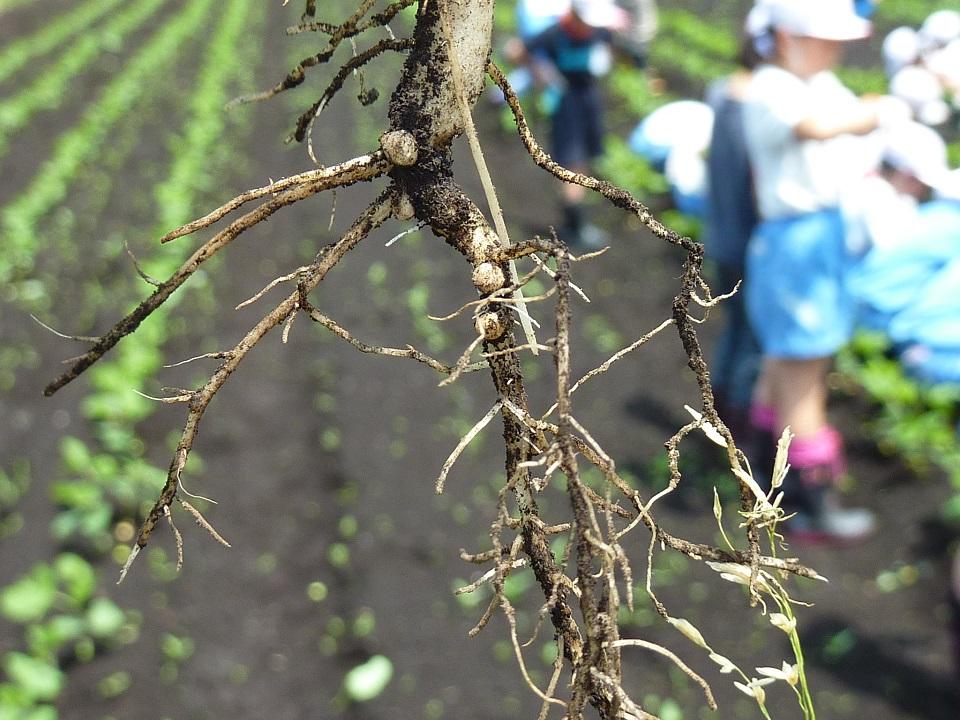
(794, 176)
(877, 216)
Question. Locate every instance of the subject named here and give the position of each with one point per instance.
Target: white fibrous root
(488, 278)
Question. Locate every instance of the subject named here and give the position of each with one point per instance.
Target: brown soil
(283, 483)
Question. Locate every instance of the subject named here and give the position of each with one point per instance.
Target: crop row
(123, 480)
(113, 474)
(85, 140)
(191, 174)
(50, 36)
(52, 84)
(80, 271)
(112, 406)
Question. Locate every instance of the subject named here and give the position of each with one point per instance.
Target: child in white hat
(925, 263)
(881, 212)
(885, 221)
(803, 131)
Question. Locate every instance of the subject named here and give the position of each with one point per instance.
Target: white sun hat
(919, 151)
(901, 47)
(758, 26)
(945, 63)
(823, 19)
(600, 13)
(759, 20)
(922, 91)
(940, 28)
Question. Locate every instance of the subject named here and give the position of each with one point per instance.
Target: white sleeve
(777, 102)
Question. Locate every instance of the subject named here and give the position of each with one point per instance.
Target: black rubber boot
(818, 518)
(572, 223)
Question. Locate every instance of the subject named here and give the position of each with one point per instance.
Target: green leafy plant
(917, 422)
(13, 485)
(58, 609)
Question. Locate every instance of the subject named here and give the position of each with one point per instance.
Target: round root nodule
(484, 244)
(400, 147)
(489, 325)
(488, 278)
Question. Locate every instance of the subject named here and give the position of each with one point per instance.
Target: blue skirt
(797, 300)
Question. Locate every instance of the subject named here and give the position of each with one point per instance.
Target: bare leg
(575, 225)
(763, 392)
(573, 194)
(798, 391)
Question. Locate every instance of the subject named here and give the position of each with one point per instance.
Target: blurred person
(533, 17)
(639, 23)
(731, 216)
(924, 66)
(668, 128)
(908, 217)
(945, 64)
(674, 140)
(570, 56)
(643, 20)
(883, 210)
(803, 129)
(889, 223)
